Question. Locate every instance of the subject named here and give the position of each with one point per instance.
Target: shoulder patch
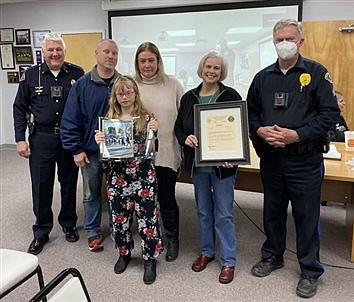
(328, 77)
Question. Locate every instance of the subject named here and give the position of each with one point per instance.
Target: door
(324, 43)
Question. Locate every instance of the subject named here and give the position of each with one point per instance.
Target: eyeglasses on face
(128, 94)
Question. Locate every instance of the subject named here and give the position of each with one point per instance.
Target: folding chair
(73, 290)
(16, 268)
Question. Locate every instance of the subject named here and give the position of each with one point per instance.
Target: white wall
(87, 16)
(57, 16)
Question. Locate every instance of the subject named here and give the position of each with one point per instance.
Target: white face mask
(286, 50)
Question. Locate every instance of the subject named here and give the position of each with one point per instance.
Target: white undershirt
(55, 72)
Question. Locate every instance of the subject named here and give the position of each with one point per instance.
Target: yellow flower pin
(305, 79)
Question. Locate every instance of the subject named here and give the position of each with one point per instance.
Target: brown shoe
(226, 274)
(201, 262)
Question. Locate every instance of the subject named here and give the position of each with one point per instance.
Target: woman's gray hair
(288, 22)
(213, 54)
(53, 37)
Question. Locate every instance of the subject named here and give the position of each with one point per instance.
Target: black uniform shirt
(310, 107)
(38, 93)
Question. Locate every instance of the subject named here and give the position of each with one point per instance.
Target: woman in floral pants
(131, 182)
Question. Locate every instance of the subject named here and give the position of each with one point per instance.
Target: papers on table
(332, 153)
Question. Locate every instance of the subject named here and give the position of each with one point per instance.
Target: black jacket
(184, 125)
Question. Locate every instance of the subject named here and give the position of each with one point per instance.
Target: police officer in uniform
(291, 106)
(39, 104)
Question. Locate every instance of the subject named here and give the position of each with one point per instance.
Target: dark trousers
(47, 153)
(166, 195)
(296, 178)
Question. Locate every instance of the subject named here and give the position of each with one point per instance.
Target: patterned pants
(131, 187)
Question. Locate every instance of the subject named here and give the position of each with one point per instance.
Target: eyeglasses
(128, 94)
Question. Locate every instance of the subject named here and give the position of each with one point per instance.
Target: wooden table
(338, 184)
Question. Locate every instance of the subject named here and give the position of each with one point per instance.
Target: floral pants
(131, 187)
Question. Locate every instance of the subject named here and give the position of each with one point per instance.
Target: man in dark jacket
(39, 103)
(87, 101)
(291, 106)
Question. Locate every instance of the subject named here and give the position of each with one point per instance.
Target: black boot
(170, 219)
(122, 263)
(149, 271)
(172, 248)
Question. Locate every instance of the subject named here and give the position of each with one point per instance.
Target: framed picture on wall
(23, 54)
(6, 34)
(13, 77)
(7, 56)
(23, 36)
(38, 36)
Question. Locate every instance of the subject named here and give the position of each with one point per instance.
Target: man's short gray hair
(288, 22)
(53, 37)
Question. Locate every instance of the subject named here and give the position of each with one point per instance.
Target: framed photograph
(7, 56)
(118, 144)
(23, 36)
(23, 54)
(6, 35)
(38, 36)
(222, 131)
(13, 77)
(22, 69)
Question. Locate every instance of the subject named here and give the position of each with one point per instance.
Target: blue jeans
(214, 197)
(92, 184)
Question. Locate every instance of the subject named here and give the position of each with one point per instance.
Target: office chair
(16, 268)
(73, 290)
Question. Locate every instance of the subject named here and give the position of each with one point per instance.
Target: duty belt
(296, 148)
(48, 129)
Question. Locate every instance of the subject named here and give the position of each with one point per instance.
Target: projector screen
(242, 34)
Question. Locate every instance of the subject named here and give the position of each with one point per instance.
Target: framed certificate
(7, 56)
(6, 34)
(118, 143)
(222, 131)
(38, 37)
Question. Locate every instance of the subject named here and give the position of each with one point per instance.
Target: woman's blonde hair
(162, 77)
(213, 54)
(115, 109)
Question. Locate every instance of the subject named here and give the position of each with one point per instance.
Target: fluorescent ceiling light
(233, 42)
(128, 46)
(172, 49)
(181, 33)
(185, 44)
(243, 30)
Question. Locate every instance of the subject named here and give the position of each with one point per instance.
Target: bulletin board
(80, 48)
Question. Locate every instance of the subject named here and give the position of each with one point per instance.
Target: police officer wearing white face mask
(291, 107)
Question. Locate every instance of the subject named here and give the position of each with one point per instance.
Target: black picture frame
(13, 77)
(6, 34)
(23, 36)
(23, 54)
(119, 138)
(222, 132)
(7, 56)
